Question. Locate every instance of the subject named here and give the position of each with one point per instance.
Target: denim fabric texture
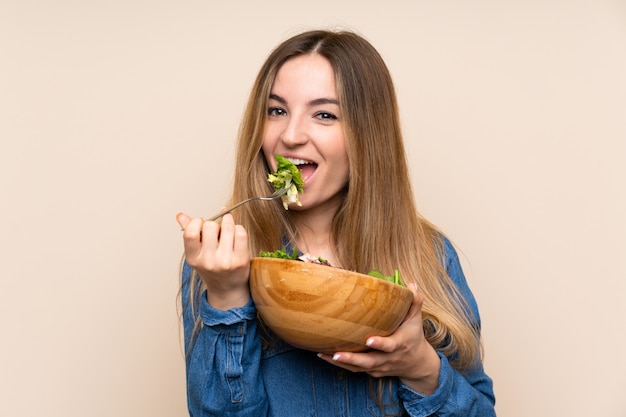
(230, 374)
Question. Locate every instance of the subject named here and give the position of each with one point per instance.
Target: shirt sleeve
(467, 394)
(223, 356)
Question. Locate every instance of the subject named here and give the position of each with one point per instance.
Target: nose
(294, 132)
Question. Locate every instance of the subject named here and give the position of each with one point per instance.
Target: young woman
(325, 100)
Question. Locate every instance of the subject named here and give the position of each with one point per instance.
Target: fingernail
(336, 356)
(369, 342)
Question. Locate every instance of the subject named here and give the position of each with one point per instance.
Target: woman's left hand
(405, 354)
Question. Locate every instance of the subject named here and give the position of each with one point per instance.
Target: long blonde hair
(378, 225)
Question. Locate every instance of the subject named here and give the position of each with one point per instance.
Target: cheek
(341, 153)
(268, 151)
(269, 158)
(345, 163)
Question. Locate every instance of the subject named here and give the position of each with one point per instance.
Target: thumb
(416, 303)
(183, 220)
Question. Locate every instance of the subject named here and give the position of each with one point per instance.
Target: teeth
(298, 161)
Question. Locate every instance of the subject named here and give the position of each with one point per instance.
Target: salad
(287, 176)
(293, 256)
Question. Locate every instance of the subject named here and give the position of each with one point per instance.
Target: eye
(325, 116)
(276, 111)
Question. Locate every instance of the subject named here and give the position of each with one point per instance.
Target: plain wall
(115, 115)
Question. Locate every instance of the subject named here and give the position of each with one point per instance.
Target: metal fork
(277, 194)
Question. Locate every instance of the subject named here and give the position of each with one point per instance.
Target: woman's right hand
(219, 253)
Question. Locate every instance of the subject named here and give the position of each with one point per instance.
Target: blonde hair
(368, 231)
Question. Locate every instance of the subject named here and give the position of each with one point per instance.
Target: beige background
(114, 115)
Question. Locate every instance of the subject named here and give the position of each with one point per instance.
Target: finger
(210, 236)
(356, 362)
(242, 253)
(182, 220)
(392, 342)
(383, 344)
(192, 238)
(226, 235)
(337, 360)
(416, 302)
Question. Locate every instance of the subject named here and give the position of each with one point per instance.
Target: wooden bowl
(325, 309)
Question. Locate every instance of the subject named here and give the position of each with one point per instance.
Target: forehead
(310, 74)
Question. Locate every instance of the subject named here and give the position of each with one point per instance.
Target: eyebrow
(315, 102)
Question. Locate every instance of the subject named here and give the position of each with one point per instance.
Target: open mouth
(306, 168)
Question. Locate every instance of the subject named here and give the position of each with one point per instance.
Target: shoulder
(451, 262)
(455, 272)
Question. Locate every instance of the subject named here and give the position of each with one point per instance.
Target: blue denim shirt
(230, 374)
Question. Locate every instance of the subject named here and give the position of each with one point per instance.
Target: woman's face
(304, 125)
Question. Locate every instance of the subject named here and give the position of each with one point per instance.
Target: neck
(314, 231)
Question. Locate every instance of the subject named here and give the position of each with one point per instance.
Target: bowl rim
(257, 259)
